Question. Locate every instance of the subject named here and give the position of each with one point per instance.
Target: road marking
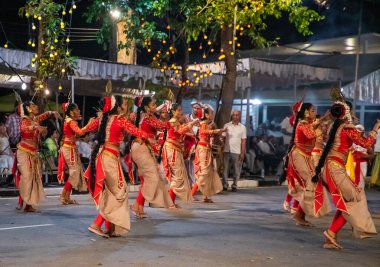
(216, 211)
(26, 226)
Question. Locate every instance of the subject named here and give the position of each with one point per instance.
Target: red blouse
(28, 124)
(347, 134)
(205, 131)
(150, 124)
(305, 137)
(177, 131)
(115, 128)
(71, 128)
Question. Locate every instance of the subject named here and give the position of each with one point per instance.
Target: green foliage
(54, 57)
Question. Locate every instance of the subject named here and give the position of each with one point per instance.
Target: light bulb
(23, 86)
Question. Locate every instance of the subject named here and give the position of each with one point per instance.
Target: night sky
(341, 20)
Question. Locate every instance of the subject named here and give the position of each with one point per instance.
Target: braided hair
(70, 107)
(300, 116)
(101, 136)
(337, 111)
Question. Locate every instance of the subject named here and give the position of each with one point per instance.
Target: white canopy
(369, 88)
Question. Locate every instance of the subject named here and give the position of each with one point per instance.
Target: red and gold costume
(152, 187)
(28, 176)
(349, 200)
(173, 161)
(301, 168)
(110, 193)
(207, 178)
(68, 155)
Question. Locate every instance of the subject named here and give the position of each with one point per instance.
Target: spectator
(234, 148)
(6, 155)
(271, 160)
(84, 150)
(254, 156)
(49, 149)
(287, 130)
(13, 127)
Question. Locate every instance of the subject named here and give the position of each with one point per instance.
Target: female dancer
(207, 178)
(349, 200)
(300, 166)
(173, 161)
(28, 176)
(107, 184)
(152, 187)
(68, 154)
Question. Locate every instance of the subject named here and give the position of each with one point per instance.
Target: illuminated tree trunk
(229, 79)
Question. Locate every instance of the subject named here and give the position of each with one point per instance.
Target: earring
(71, 114)
(307, 114)
(29, 109)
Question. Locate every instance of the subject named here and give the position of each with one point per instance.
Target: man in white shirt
(234, 148)
(287, 130)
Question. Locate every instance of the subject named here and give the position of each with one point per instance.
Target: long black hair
(70, 107)
(145, 101)
(101, 136)
(336, 111)
(300, 116)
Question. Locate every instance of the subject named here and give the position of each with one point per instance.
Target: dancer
(152, 186)
(68, 154)
(173, 160)
(291, 120)
(207, 178)
(106, 180)
(300, 166)
(28, 176)
(349, 200)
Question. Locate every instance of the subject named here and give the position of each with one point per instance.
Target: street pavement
(246, 228)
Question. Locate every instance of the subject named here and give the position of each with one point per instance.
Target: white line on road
(216, 211)
(26, 226)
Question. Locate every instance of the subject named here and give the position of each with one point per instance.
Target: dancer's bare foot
(94, 229)
(29, 208)
(300, 220)
(331, 241)
(208, 200)
(286, 206)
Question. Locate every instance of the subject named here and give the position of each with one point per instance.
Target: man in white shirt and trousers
(234, 149)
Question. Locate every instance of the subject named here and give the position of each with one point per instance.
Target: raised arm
(132, 129)
(357, 138)
(75, 128)
(157, 124)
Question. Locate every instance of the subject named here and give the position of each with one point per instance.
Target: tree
(247, 17)
(53, 58)
(156, 26)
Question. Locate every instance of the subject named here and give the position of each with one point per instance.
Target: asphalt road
(247, 228)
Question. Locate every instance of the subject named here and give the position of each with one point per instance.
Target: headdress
(164, 107)
(19, 108)
(345, 113)
(201, 113)
(297, 106)
(64, 106)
